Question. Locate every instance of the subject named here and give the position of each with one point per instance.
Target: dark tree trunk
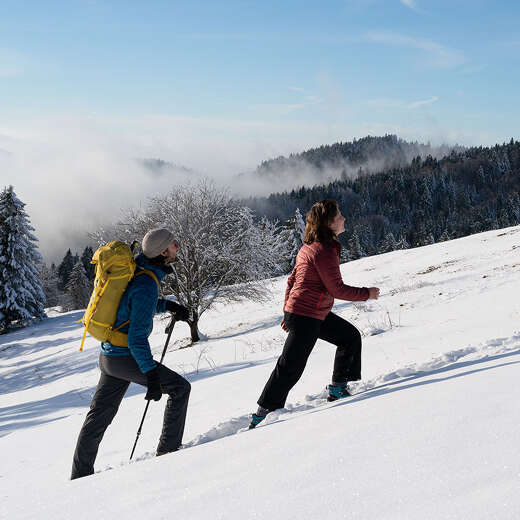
(194, 330)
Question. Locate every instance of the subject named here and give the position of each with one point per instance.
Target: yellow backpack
(115, 267)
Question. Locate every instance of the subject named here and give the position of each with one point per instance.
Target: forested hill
(430, 199)
(347, 160)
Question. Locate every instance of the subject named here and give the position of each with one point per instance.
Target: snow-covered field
(432, 431)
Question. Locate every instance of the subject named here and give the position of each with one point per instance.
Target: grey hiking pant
(116, 375)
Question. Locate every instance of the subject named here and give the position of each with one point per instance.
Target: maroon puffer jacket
(316, 280)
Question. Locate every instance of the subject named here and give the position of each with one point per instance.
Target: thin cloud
(233, 37)
(441, 55)
(417, 104)
(400, 104)
(409, 3)
(386, 103)
(474, 69)
(281, 108)
(288, 108)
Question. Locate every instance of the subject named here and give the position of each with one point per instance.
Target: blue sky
(220, 86)
(411, 64)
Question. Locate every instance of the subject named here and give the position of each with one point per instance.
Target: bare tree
(224, 255)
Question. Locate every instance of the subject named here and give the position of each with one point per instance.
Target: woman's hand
(284, 326)
(373, 293)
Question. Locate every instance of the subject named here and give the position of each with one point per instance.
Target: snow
(430, 432)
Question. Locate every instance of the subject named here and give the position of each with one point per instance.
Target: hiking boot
(256, 420)
(161, 453)
(338, 392)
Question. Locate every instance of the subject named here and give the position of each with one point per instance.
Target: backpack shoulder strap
(149, 273)
(141, 271)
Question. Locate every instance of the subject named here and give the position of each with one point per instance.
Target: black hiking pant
(302, 336)
(116, 375)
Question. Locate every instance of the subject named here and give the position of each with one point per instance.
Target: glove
(181, 312)
(154, 385)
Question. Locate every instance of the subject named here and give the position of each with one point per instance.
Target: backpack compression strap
(117, 338)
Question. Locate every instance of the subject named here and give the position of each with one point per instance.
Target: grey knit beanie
(156, 241)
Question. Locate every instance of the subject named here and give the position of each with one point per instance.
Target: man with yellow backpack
(126, 357)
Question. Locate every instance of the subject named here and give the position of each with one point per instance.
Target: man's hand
(373, 293)
(154, 385)
(181, 312)
(284, 326)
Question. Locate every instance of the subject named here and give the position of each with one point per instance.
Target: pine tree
(78, 289)
(299, 226)
(64, 270)
(389, 243)
(445, 236)
(354, 247)
(86, 258)
(344, 255)
(49, 281)
(402, 243)
(21, 293)
(292, 236)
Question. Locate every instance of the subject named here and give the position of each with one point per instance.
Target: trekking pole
(168, 330)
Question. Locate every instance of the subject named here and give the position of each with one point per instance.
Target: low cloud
(76, 173)
(289, 173)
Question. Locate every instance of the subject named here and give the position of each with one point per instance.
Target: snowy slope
(432, 431)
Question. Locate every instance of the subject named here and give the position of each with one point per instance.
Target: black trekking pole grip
(168, 331)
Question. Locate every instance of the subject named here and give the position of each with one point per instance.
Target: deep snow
(431, 431)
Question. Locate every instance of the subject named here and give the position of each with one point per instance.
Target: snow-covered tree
(402, 243)
(427, 240)
(86, 258)
(389, 243)
(445, 236)
(49, 281)
(21, 293)
(292, 237)
(78, 289)
(354, 247)
(344, 255)
(270, 240)
(64, 269)
(223, 253)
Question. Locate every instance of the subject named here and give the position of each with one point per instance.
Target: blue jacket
(139, 304)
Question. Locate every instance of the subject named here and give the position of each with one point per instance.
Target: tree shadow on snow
(26, 415)
(206, 373)
(25, 341)
(263, 325)
(33, 413)
(23, 375)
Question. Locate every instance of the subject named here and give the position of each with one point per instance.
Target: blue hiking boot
(256, 420)
(338, 392)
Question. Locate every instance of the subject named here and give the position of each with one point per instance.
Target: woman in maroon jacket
(311, 288)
